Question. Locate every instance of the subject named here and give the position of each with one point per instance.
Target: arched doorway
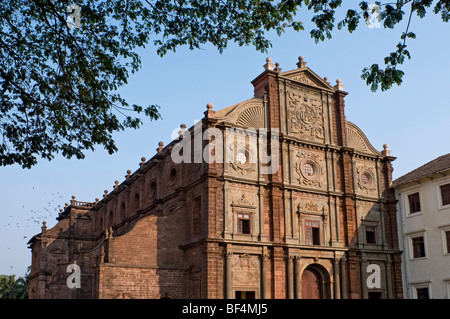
(315, 283)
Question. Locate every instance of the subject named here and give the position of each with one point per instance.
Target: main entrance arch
(315, 282)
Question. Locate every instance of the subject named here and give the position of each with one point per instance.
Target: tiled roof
(439, 164)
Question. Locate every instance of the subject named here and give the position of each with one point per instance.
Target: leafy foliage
(12, 288)
(58, 84)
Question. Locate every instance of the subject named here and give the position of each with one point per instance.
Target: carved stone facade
(300, 208)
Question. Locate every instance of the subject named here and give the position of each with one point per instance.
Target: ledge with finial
(209, 113)
(269, 65)
(143, 160)
(160, 147)
(385, 152)
(181, 131)
(301, 63)
(44, 227)
(339, 86)
(277, 67)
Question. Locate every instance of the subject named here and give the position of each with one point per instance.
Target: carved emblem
(311, 206)
(306, 116)
(302, 78)
(243, 201)
(244, 160)
(309, 168)
(246, 270)
(365, 179)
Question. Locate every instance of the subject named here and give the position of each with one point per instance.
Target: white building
(423, 210)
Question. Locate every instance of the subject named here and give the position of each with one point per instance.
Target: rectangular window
(414, 203)
(447, 241)
(418, 246)
(197, 217)
(245, 295)
(370, 235)
(422, 293)
(374, 295)
(243, 224)
(312, 232)
(445, 193)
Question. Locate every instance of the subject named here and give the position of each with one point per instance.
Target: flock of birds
(33, 216)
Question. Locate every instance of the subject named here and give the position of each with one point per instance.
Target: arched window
(111, 218)
(137, 202)
(123, 212)
(100, 223)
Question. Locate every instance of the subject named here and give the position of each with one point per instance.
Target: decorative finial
(116, 184)
(143, 160)
(105, 193)
(277, 67)
(160, 147)
(97, 200)
(182, 130)
(301, 62)
(385, 151)
(128, 174)
(269, 65)
(209, 113)
(44, 227)
(339, 86)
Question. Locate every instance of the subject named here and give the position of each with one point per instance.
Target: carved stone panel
(305, 114)
(241, 153)
(366, 182)
(310, 169)
(245, 271)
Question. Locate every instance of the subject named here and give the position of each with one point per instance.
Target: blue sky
(412, 119)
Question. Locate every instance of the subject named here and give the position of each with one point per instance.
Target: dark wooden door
(311, 287)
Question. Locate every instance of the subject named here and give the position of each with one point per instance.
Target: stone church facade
(300, 206)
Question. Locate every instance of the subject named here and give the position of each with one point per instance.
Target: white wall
(433, 270)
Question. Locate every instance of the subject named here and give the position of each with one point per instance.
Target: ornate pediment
(312, 208)
(308, 77)
(244, 202)
(357, 140)
(305, 115)
(247, 114)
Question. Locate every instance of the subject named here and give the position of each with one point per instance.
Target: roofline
(417, 179)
